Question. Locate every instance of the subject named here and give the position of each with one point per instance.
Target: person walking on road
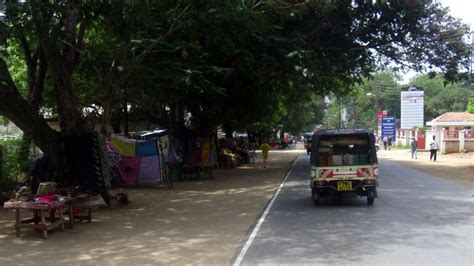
(414, 148)
(385, 142)
(265, 149)
(433, 149)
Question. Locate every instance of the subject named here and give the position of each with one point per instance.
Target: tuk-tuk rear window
(339, 150)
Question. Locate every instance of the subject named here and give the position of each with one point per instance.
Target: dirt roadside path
(455, 167)
(197, 222)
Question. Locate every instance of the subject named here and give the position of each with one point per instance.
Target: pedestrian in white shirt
(433, 149)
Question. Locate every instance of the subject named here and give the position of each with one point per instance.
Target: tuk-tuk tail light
(369, 182)
(376, 172)
(363, 172)
(320, 183)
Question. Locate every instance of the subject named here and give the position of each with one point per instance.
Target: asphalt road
(417, 219)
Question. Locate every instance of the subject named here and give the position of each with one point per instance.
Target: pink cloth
(130, 168)
(45, 198)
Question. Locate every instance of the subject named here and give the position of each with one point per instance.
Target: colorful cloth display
(146, 163)
(147, 148)
(124, 146)
(149, 166)
(130, 168)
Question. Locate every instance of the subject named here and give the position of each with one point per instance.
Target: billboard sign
(389, 127)
(412, 107)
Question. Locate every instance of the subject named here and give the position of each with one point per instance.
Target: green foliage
(13, 170)
(243, 64)
(401, 147)
(380, 92)
(441, 97)
(17, 66)
(3, 120)
(470, 106)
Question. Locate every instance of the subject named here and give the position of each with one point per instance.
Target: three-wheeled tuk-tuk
(344, 163)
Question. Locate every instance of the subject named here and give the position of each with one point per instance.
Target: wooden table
(39, 221)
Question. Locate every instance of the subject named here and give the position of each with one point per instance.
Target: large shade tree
(236, 63)
(53, 38)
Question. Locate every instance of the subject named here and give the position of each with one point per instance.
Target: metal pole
(354, 113)
(340, 113)
(472, 49)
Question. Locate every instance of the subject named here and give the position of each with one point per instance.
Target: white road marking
(262, 219)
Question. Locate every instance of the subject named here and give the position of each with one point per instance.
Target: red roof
(455, 117)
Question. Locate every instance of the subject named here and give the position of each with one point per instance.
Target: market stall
(143, 160)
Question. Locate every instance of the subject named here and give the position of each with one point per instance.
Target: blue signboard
(389, 127)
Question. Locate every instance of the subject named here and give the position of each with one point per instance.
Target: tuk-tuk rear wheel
(370, 197)
(315, 197)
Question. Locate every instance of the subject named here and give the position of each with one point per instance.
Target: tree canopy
(247, 65)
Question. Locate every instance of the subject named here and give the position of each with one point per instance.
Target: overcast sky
(463, 9)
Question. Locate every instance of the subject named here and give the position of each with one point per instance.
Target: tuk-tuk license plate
(344, 185)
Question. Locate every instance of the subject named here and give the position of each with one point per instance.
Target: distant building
(454, 131)
(452, 121)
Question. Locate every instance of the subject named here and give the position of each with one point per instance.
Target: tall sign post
(380, 114)
(389, 127)
(412, 107)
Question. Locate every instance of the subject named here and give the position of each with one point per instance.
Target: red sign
(381, 114)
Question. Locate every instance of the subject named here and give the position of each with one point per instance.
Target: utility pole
(472, 49)
(354, 112)
(341, 124)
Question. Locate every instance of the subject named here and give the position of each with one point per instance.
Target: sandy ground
(197, 222)
(456, 167)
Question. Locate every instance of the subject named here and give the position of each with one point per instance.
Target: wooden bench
(86, 204)
(39, 221)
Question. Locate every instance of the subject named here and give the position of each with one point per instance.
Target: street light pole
(340, 113)
(354, 112)
(472, 49)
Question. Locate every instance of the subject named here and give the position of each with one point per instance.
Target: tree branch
(175, 27)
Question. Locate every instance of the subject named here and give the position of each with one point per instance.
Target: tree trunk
(24, 154)
(177, 119)
(116, 122)
(13, 106)
(228, 130)
(71, 119)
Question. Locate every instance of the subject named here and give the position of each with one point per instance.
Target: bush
(470, 107)
(12, 168)
(402, 147)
